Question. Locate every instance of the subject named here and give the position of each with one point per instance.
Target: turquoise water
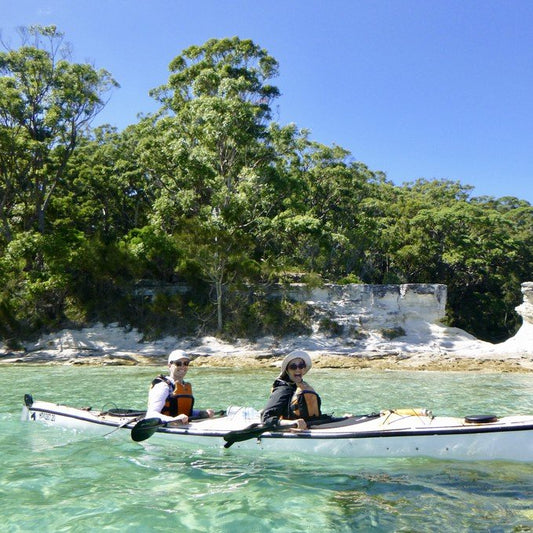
(57, 480)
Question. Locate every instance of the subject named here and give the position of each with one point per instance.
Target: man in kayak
(291, 397)
(170, 397)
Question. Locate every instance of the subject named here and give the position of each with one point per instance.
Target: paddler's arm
(203, 413)
(276, 411)
(174, 420)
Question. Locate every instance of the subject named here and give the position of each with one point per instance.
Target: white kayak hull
(392, 434)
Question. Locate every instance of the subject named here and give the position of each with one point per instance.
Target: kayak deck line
(98, 419)
(400, 433)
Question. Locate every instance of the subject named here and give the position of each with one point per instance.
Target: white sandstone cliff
(357, 320)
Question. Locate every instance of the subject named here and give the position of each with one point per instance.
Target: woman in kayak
(170, 398)
(291, 397)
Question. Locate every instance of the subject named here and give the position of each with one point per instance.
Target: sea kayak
(389, 433)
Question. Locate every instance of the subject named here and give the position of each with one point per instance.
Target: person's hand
(179, 420)
(210, 413)
(300, 424)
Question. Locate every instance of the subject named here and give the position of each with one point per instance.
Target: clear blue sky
(414, 88)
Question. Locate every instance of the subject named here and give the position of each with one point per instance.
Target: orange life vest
(305, 403)
(180, 400)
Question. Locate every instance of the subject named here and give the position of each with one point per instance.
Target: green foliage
(169, 314)
(46, 102)
(35, 280)
(210, 192)
(330, 327)
(107, 193)
(313, 280)
(154, 254)
(276, 317)
(350, 278)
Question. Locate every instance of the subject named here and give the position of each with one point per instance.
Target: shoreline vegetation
(190, 220)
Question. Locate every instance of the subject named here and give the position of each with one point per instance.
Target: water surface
(58, 480)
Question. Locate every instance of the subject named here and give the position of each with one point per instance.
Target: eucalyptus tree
(45, 103)
(209, 153)
(322, 221)
(439, 235)
(337, 192)
(109, 194)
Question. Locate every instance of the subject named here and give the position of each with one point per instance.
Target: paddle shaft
(129, 421)
(256, 430)
(145, 428)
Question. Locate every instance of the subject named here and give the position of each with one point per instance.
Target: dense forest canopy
(211, 192)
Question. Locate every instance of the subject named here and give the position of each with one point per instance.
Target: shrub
(392, 333)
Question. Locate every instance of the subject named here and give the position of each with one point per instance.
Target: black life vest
(180, 400)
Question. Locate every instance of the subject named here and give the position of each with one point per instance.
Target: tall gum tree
(209, 146)
(45, 103)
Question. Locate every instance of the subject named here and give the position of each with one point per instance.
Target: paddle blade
(254, 430)
(145, 429)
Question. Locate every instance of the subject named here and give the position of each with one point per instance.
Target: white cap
(176, 355)
(296, 354)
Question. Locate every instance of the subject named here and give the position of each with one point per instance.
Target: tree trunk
(218, 285)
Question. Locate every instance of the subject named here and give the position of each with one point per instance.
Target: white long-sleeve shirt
(156, 401)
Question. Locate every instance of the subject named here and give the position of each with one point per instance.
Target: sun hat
(295, 354)
(176, 355)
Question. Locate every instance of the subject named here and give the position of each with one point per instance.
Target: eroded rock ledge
(376, 326)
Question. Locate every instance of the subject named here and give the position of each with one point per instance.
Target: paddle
(145, 428)
(129, 421)
(253, 431)
(256, 430)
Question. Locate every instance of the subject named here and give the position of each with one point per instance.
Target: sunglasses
(180, 363)
(297, 366)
